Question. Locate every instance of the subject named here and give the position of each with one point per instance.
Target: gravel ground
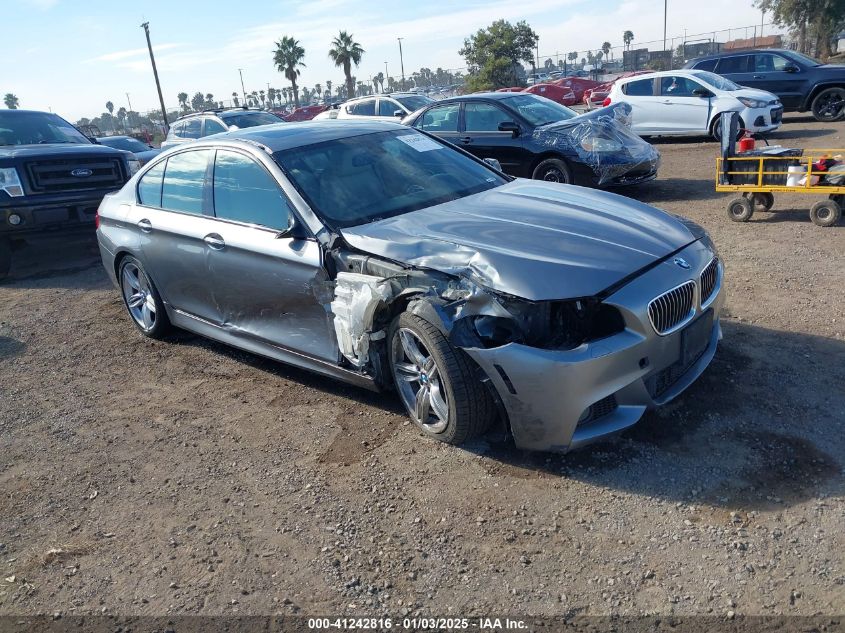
(183, 477)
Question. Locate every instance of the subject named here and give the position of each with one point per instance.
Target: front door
(682, 110)
(265, 286)
(769, 75)
(441, 120)
(481, 137)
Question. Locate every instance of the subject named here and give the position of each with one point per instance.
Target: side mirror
(495, 164)
(399, 113)
(702, 92)
(791, 68)
(509, 126)
(289, 229)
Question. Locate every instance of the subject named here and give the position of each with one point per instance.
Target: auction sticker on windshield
(419, 142)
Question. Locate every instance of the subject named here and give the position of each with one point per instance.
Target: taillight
(606, 102)
(97, 219)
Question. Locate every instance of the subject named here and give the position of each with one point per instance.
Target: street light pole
(243, 90)
(130, 101)
(386, 75)
(665, 5)
(146, 27)
(401, 61)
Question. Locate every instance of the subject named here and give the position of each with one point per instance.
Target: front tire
(825, 213)
(829, 105)
(740, 209)
(5, 257)
(553, 170)
(717, 128)
(141, 299)
(437, 382)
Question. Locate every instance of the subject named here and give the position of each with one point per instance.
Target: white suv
(387, 107)
(689, 102)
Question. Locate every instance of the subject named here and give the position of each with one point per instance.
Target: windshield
(32, 128)
(251, 120)
(412, 104)
(361, 179)
(717, 81)
(129, 144)
(810, 61)
(538, 110)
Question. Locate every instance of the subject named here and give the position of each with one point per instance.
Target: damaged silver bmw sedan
(378, 255)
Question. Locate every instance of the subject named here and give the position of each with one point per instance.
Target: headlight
(598, 144)
(751, 103)
(10, 183)
(134, 166)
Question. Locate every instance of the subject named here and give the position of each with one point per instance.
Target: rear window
(735, 64)
(706, 64)
(641, 88)
(412, 104)
(252, 119)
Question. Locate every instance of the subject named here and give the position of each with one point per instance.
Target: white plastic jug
(794, 175)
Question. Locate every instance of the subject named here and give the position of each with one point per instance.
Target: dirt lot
(141, 477)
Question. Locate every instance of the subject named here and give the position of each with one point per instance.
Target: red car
(560, 94)
(578, 85)
(305, 113)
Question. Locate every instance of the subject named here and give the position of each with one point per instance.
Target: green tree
(318, 91)
(11, 101)
(197, 101)
(288, 58)
(183, 100)
(627, 38)
(819, 19)
(344, 52)
(380, 80)
(493, 55)
(121, 116)
(605, 48)
(235, 99)
(271, 96)
(329, 87)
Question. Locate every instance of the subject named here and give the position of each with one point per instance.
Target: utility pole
(146, 27)
(401, 61)
(665, 6)
(243, 90)
(130, 101)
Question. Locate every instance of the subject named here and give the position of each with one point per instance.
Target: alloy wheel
(830, 106)
(139, 296)
(419, 382)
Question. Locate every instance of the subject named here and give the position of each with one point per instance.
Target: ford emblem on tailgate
(81, 173)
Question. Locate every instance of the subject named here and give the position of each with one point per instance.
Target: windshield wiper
(52, 142)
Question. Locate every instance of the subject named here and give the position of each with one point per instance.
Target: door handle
(214, 241)
(759, 77)
(667, 102)
(465, 139)
(145, 225)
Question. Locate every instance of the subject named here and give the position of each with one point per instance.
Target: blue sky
(74, 55)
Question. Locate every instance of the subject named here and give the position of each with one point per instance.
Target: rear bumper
(558, 400)
(632, 174)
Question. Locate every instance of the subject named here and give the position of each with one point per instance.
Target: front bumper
(558, 400)
(50, 213)
(621, 174)
(760, 120)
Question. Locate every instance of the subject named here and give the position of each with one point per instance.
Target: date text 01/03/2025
(419, 623)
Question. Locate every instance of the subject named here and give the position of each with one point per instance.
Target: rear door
(173, 218)
(739, 69)
(441, 120)
(481, 137)
(769, 75)
(646, 107)
(386, 109)
(263, 285)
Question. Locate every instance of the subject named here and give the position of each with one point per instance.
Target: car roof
(384, 94)
(662, 73)
(217, 113)
(282, 136)
(749, 51)
(493, 96)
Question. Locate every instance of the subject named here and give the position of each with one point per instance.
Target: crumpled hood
(530, 239)
(53, 150)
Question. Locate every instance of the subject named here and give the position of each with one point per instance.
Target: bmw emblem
(680, 261)
(81, 173)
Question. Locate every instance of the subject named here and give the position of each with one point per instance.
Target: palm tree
(271, 96)
(345, 52)
(329, 87)
(121, 116)
(628, 37)
(605, 47)
(380, 80)
(235, 99)
(288, 58)
(183, 100)
(11, 101)
(318, 91)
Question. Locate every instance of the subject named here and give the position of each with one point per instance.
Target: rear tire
(740, 210)
(141, 299)
(553, 170)
(5, 257)
(716, 131)
(829, 105)
(763, 201)
(457, 406)
(825, 213)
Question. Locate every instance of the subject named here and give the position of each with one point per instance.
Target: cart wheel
(740, 210)
(825, 213)
(763, 201)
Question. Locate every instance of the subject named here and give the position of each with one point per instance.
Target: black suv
(802, 83)
(199, 124)
(52, 178)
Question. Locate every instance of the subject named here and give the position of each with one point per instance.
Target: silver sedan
(378, 255)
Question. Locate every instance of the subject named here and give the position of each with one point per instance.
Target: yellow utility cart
(759, 177)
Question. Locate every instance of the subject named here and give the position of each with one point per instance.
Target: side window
(766, 62)
(245, 192)
(192, 128)
(734, 64)
(367, 107)
(387, 107)
(149, 187)
(176, 129)
(708, 64)
(641, 88)
(484, 117)
(213, 127)
(677, 87)
(184, 179)
(440, 118)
